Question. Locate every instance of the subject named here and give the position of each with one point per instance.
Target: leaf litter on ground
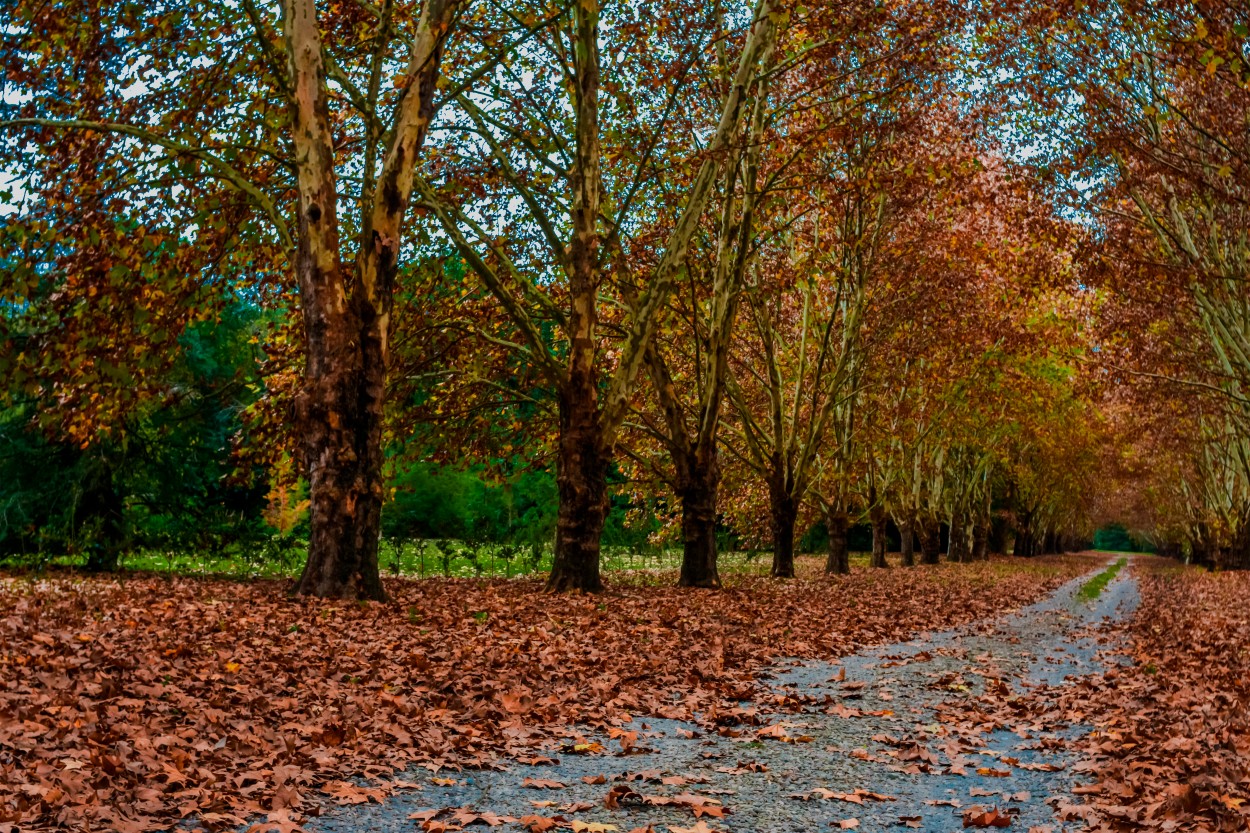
(133, 704)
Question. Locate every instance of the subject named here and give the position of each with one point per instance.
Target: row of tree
(757, 265)
(1165, 95)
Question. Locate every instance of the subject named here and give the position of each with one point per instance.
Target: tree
(164, 478)
(1162, 169)
(264, 137)
(551, 266)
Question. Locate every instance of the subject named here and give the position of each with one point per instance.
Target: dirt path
(892, 722)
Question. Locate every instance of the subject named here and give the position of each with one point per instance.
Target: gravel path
(868, 722)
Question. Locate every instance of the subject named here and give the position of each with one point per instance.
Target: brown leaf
(976, 817)
(542, 784)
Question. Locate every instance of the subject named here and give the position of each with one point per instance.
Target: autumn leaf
(618, 794)
(591, 827)
(976, 817)
(542, 784)
(993, 773)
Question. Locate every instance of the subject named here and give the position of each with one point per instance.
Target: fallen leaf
(542, 784)
(976, 817)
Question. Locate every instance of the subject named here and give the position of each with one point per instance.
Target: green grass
(1091, 589)
(454, 559)
(639, 567)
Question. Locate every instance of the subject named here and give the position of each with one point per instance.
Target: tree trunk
(340, 413)
(582, 485)
(880, 541)
(907, 540)
(347, 314)
(957, 548)
(1237, 556)
(981, 541)
(698, 524)
(785, 511)
(582, 467)
(998, 535)
(100, 512)
(930, 542)
(1202, 555)
(1025, 545)
(838, 524)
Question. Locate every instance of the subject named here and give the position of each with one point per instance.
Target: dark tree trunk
(998, 535)
(957, 548)
(582, 485)
(1237, 556)
(981, 542)
(907, 540)
(100, 512)
(1025, 545)
(1200, 555)
(785, 512)
(346, 311)
(930, 542)
(838, 524)
(880, 541)
(582, 465)
(698, 524)
(340, 414)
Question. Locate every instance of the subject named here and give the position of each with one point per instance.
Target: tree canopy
(969, 276)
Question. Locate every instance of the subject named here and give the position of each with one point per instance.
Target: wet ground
(892, 723)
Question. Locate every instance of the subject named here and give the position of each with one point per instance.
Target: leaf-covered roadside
(1171, 745)
(126, 705)
(1168, 740)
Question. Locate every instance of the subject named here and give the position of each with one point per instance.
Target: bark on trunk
(100, 512)
(839, 559)
(784, 514)
(1237, 556)
(346, 310)
(1025, 546)
(698, 525)
(930, 542)
(957, 549)
(981, 542)
(998, 535)
(1203, 555)
(907, 541)
(880, 540)
(1028, 544)
(582, 485)
(582, 465)
(341, 416)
